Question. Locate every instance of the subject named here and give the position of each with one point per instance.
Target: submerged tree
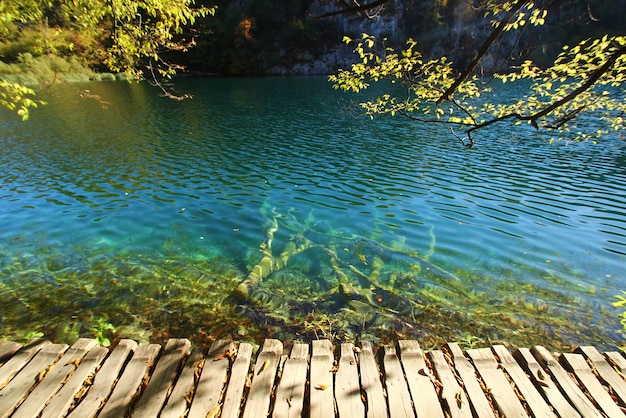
(584, 79)
(137, 34)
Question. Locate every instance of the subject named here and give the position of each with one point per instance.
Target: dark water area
(146, 213)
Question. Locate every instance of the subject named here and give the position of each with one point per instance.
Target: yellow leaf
(264, 367)
(214, 412)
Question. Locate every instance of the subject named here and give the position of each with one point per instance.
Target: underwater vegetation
(303, 281)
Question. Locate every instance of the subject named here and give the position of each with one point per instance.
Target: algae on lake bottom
(321, 284)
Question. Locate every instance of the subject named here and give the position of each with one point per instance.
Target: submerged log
(268, 265)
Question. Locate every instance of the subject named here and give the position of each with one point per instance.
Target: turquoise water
(147, 213)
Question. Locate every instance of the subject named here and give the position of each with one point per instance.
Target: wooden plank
(578, 364)
(398, 395)
(606, 372)
(7, 349)
(11, 367)
(478, 400)
(162, 379)
(615, 358)
(453, 396)
(213, 379)
(290, 392)
(322, 401)
(420, 380)
(104, 381)
(237, 382)
(371, 383)
(62, 401)
(566, 384)
(258, 402)
(20, 386)
(347, 387)
(537, 405)
(544, 383)
(129, 384)
(499, 387)
(180, 399)
(54, 379)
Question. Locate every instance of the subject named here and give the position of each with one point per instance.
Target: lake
(269, 207)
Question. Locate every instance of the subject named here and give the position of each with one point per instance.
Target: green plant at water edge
(469, 342)
(100, 330)
(621, 303)
(320, 325)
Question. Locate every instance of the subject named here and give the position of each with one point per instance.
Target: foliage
(621, 303)
(44, 69)
(583, 79)
(17, 97)
(136, 33)
(100, 331)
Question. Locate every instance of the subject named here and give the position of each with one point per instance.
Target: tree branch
(603, 69)
(353, 9)
(582, 88)
(483, 50)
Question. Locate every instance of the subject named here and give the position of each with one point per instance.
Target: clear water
(147, 213)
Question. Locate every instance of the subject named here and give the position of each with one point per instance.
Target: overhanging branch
(483, 50)
(603, 69)
(353, 9)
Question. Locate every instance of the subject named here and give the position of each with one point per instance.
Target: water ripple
(144, 173)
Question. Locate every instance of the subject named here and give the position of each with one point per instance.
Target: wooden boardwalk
(313, 380)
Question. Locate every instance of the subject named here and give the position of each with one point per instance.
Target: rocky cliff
(251, 37)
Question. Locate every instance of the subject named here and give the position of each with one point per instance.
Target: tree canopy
(136, 34)
(584, 79)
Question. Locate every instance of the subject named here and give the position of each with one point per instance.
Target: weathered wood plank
(291, 388)
(453, 396)
(180, 398)
(418, 376)
(162, 378)
(7, 349)
(615, 358)
(566, 384)
(347, 386)
(606, 372)
(545, 384)
(104, 381)
(237, 382)
(578, 364)
(62, 401)
(37, 383)
(258, 402)
(398, 395)
(129, 384)
(537, 405)
(53, 380)
(322, 401)
(478, 400)
(371, 383)
(12, 366)
(213, 379)
(20, 386)
(498, 385)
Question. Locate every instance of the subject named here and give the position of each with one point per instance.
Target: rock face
(283, 38)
